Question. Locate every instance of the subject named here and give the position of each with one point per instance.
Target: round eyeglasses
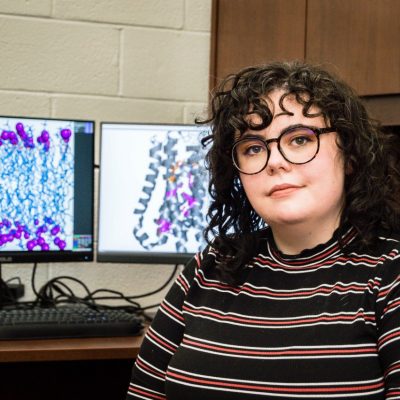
(298, 144)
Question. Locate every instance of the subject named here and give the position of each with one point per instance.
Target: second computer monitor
(153, 192)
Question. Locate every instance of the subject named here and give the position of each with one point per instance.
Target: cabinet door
(249, 32)
(358, 40)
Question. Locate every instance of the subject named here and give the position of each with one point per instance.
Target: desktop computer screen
(153, 192)
(46, 190)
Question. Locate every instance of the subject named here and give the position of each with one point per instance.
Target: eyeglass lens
(297, 146)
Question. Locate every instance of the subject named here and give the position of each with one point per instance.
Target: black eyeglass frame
(317, 131)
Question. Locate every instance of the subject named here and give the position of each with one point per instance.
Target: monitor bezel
(59, 256)
(136, 257)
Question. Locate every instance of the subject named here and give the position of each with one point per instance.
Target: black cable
(56, 292)
(16, 278)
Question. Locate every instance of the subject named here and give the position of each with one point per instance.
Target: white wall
(110, 60)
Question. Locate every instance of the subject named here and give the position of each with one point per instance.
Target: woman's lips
(282, 190)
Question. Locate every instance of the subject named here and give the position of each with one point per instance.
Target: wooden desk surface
(70, 349)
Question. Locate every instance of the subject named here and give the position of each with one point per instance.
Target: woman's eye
(254, 149)
(300, 140)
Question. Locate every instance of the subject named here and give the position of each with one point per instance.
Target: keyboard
(67, 322)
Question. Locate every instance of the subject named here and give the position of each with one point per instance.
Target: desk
(61, 369)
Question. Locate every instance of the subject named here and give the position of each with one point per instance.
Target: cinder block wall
(106, 60)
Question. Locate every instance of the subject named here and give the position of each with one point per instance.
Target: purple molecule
(27, 235)
(62, 244)
(12, 135)
(164, 226)
(55, 230)
(4, 135)
(1, 142)
(66, 134)
(17, 235)
(45, 136)
(47, 146)
(188, 198)
(23, 135)
(36, 221)
(40, 241)
(30, 245)
(45, 247)
(19, 127)
(57, 240)
(14, 142)
(3, 238)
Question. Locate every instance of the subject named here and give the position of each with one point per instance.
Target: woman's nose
(276, 161)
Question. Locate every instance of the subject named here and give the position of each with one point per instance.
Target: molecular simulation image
(174, 193)
(36, 178)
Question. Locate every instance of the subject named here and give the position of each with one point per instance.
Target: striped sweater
(321, 324)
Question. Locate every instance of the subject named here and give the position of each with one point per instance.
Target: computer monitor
(153, 192)
(46, 190)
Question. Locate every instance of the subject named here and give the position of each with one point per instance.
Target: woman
(299, 294)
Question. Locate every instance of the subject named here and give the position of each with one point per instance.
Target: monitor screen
(46, 190)
(153, 193)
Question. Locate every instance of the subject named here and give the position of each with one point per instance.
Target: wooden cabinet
(358, 40)
(244, 32)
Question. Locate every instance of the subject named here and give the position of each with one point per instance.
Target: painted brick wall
(110, 60)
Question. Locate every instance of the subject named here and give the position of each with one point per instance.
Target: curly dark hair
(371, 188)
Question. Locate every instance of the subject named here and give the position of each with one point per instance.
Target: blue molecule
(48, 220)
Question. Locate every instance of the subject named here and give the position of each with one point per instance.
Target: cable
(16, 278)
(164, 285)
(56, 291)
